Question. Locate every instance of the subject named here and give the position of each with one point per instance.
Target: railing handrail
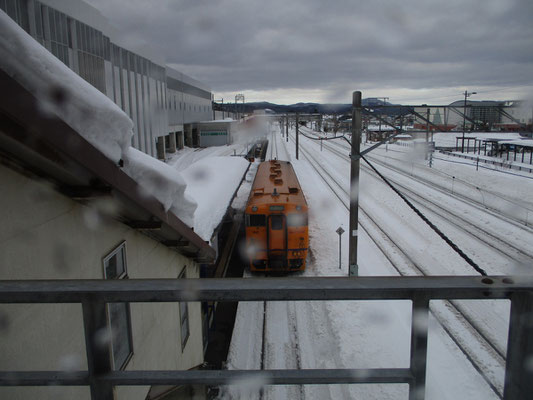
(260, 289)
(94, 294)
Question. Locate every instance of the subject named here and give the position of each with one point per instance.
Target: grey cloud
(262, 45)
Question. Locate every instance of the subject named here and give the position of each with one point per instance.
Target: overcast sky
(288, 51)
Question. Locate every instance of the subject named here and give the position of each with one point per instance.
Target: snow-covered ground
(376, 334)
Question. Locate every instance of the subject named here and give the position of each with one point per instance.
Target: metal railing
(94, 294)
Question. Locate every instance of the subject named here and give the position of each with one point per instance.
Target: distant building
(519, 113)
(480, 115)
(160, 100)
(484, 113)
(436, 118)
(215, 133)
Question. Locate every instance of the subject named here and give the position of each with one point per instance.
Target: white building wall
(94, 56)
(109, 80)
(116, 87)
(48, 236)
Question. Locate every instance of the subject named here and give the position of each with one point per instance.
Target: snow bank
(161, 181)
(62, 92)
(211, 182)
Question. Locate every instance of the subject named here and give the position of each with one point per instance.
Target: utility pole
(297, 134)
(464, 120)
(380, 114)
(354, 182)
(287, 128)
(427, 134)
(239, 97)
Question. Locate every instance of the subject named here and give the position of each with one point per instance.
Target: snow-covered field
(466, 204)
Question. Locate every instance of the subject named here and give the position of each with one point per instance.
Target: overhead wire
(456, 248)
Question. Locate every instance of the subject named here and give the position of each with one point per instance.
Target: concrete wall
(45, 235)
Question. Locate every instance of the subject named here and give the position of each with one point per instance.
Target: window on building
(39, 21)
(184, 316)
(18, 11)
(118, 314)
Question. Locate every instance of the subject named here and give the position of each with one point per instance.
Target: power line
(429, 223)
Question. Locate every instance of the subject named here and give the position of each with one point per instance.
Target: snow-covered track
(519, 255)
(505, 247)
(452, 319)
(341, 149)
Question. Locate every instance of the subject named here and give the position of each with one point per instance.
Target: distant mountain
(305, 108)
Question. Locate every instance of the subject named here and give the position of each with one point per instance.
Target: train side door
(277, 241)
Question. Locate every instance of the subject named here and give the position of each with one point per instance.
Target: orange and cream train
(276, 216)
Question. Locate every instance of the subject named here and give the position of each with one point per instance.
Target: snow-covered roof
(449, 138)
(212, 182)
(382, 128)
(523, 142)
(218, 121)
(62, 92)
(93, 116)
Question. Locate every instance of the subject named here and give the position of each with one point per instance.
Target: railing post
(98, 348)
(419, 341)
(519, 363)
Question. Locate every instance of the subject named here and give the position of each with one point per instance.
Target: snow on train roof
(266, 182)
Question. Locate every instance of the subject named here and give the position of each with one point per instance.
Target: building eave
(45, 146)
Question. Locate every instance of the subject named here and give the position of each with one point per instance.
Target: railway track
(298, 335)
(516, 255)
(452, 319)
(496, 213)
(277, 151)
(503, 247)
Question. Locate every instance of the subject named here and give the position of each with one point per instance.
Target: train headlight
(254, 208)
(298, 208)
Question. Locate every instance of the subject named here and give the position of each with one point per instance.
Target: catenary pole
(287, 128)
(467, 95)
(427, 134)
(297, 134)
(354, 182)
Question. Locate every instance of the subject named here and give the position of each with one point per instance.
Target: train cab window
(297, 219)
(276, 222)
(255, 220)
